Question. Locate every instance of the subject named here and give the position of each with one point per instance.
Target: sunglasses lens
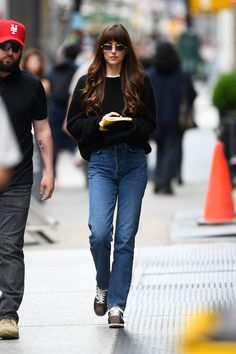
(5, 46)
(14, 46)
(107, 47)
(118, 47)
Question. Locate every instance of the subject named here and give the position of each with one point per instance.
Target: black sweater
(85, 127)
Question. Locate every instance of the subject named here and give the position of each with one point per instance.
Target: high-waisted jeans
(117, 177)
(14, 205)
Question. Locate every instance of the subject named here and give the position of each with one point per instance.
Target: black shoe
(157, 189)
(100, 302)
(168, 191)
(180, 181)
(115, 317)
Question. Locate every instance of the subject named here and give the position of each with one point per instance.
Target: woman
(33, 61)
(59, 76)
(170, 86)
(115, 86)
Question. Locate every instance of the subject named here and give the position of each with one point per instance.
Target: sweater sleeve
(82, 127)
(145, 124)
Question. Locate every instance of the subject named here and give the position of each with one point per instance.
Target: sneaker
(115, 317)
(9, 329)
(100, 302)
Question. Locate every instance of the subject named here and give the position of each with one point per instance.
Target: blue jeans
(117, 177)
(14, 206)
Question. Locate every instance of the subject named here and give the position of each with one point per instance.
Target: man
(10, 154)
(25, 100)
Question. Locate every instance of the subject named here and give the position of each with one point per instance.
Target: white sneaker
(115, 317)
(100, 302)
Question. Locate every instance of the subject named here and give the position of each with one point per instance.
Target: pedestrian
(59, 77)
(33, 61)
(10, 154)
(115, 87)
(170, 86)
(25, 100)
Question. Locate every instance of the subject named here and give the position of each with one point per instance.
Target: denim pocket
(96, 152)
(134, 149)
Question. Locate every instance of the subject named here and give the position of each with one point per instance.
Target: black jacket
(60, 77)
(168, 91)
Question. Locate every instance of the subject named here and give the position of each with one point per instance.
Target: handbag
(186, 111)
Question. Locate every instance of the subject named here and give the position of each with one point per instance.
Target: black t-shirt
(26, 101)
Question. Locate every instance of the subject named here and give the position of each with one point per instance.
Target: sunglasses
(16, 48)
(118, 47)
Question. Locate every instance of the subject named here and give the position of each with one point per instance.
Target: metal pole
(234, 37)
(77, 5)
(188, 15)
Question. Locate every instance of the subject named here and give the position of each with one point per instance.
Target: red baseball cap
(11, 30)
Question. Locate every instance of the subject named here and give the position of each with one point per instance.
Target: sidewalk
(171, 280)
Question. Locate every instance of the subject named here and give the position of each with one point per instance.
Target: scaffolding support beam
(27, 12)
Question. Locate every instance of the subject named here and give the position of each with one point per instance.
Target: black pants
(14, 206)
(166, 161)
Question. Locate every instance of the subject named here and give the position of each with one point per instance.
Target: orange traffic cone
(219, 206)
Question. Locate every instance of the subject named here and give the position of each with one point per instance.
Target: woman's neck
(113, 70)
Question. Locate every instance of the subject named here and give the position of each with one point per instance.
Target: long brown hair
(132, 74)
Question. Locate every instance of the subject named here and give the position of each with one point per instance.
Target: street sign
(208, 6)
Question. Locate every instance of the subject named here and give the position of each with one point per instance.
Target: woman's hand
(111, 114)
